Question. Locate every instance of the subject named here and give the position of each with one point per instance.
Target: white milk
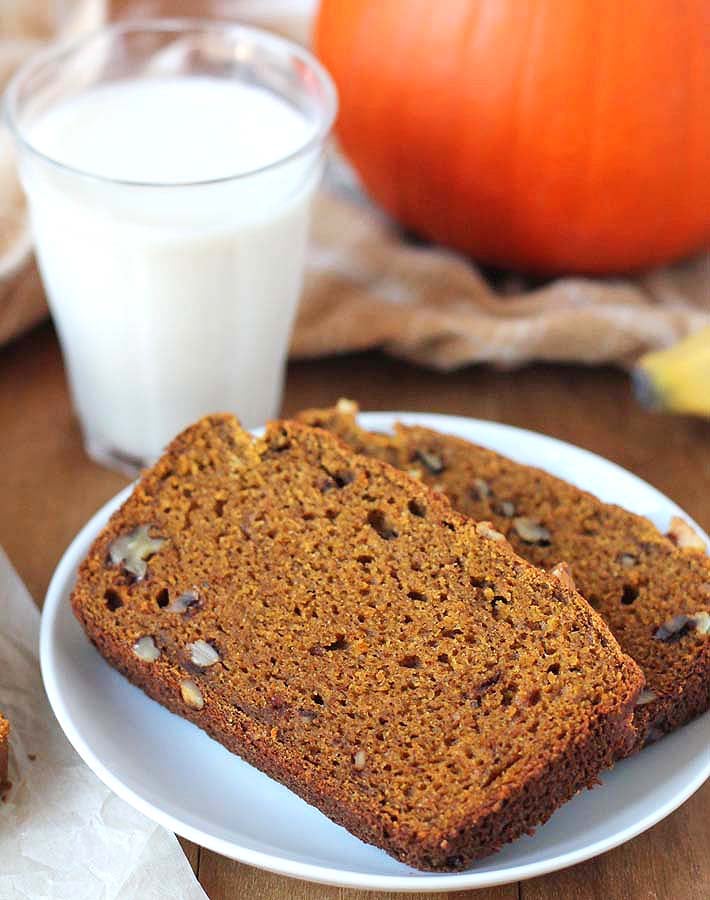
(172, 299)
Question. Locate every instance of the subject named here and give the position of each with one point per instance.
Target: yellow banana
(678, 379)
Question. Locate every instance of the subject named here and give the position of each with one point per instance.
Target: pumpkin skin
(548, 136)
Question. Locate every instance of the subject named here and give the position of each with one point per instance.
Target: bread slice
(4, 749)
(339, 626)
(653, 591)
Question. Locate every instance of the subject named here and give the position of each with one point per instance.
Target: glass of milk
(169, 167)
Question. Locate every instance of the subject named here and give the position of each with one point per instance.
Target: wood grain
(192, 852)
(229, 880)
(49, 489)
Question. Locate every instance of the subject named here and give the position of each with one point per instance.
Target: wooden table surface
(50, 488)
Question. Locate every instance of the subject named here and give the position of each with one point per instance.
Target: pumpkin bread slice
(342, 628)
(4, 749)
(652, 590)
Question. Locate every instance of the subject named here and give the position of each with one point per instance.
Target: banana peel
(678, 379)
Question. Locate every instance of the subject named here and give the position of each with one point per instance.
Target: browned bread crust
(343, 629)
(636, 578)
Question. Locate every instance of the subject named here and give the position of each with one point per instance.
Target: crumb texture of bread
(4, 748)
(638, 580)
(342, 628)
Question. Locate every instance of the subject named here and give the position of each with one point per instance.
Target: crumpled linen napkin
(25, 27)
(63, 834)
(367, 286)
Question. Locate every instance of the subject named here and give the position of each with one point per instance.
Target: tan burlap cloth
(366, 286)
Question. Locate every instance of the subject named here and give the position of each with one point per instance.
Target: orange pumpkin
(548, 135)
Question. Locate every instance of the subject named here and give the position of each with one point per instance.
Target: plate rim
(273, 862)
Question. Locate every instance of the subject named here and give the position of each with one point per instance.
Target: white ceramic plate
(173, 772)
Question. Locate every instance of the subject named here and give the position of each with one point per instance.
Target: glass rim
(63, 50)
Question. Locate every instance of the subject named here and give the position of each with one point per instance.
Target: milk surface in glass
(173, 296)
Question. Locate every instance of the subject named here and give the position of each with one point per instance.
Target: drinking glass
(171, 299)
